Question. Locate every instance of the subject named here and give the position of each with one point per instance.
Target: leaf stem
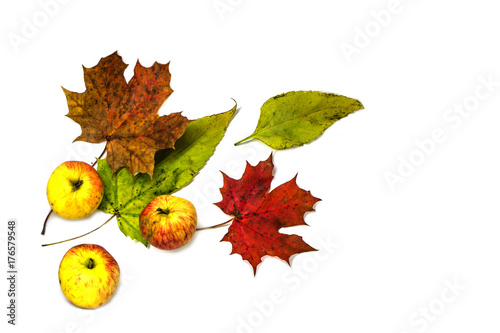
(67, 240)
(102, 154)
(216, 226)
(242, 141)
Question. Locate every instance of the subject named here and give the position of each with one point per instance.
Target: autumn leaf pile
(148, 155)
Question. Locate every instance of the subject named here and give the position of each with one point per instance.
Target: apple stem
(67, 240)
(216, 226)
(45, 222)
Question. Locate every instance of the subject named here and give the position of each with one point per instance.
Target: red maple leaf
(259, 214)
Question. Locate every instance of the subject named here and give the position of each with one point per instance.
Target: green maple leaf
(126, 196)
(298, 117)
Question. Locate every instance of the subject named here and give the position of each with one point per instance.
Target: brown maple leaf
(126, 114)
(259, 214)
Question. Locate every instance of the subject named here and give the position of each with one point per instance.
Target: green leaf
(126, 195)
(298, 117)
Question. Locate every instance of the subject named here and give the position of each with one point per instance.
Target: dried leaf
(126, 114)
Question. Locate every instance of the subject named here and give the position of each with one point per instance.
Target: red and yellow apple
(88, 275)
(168, 222)
(74, 190)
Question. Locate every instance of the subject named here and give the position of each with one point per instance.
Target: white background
(387, 255)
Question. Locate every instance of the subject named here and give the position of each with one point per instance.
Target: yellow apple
(74, 190)
(168, 222)
(88, 275)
